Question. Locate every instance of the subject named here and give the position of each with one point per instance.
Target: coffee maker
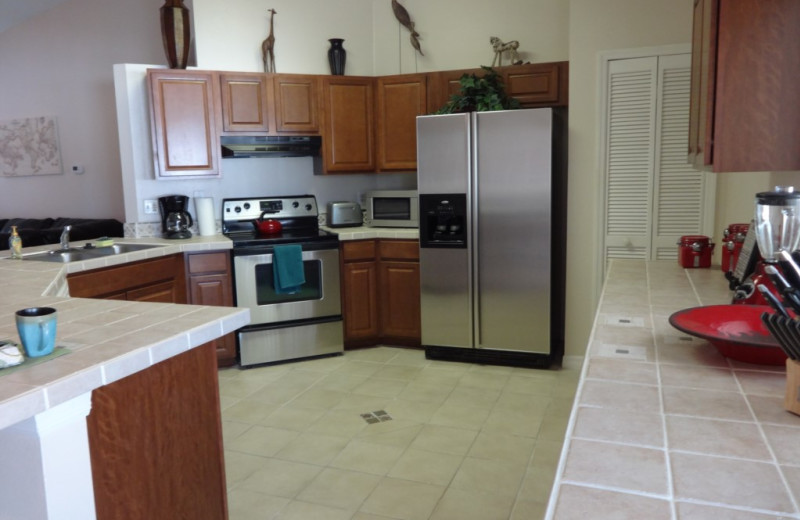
(175, 219)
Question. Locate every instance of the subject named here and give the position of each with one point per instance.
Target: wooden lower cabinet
(156, 280)
(208, 276)
(380, 292)
(155, 441)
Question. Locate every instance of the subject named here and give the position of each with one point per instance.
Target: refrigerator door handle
(474, 221)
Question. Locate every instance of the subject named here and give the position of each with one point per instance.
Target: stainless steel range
(301, 324)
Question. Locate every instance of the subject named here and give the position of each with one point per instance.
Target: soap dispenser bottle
(15, 244)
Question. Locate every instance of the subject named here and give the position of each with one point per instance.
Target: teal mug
(37, 330)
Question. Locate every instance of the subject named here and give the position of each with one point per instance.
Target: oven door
(317, 298)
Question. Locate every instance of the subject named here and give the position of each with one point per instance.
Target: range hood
(270, 146)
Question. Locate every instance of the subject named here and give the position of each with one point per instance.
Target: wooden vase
(176, 33)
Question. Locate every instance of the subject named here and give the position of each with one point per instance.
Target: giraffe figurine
(268, 45)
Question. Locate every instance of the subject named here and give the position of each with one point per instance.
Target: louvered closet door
(680, 190)
(630, 131)
(653, 195)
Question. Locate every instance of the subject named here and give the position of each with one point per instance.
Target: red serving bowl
(735, 330)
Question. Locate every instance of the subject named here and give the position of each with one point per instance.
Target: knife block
(792, 400)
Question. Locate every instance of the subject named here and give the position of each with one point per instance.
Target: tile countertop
(107, 339)
(366, 233)
(673, 430)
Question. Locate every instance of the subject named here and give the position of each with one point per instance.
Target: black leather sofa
(37, 232)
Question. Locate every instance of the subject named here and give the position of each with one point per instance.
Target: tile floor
(464, 441)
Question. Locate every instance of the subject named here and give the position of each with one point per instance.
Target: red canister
(732, 240)
(695, 251)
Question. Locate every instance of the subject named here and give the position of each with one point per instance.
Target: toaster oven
(392, 208)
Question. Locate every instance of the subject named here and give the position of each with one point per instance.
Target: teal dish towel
(287, 269)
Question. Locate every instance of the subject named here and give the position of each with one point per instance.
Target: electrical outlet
(150, 207)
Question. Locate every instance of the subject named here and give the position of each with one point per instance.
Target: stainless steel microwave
(392, 208)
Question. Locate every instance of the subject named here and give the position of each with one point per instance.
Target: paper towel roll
(206, 223)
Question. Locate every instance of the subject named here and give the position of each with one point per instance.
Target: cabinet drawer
(358, 250)
(208, 262)
(399, 249)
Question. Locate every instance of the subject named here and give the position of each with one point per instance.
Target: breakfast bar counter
(663, 426)
(105, 344)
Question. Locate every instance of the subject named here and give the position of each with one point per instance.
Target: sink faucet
(65, 237)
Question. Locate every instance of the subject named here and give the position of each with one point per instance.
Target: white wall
(59, 64)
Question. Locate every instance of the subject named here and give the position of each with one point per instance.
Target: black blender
(777, 233)
(175, 219)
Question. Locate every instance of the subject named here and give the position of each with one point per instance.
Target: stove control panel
(270, 207)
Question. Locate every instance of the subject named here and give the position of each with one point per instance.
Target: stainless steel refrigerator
(492, 198)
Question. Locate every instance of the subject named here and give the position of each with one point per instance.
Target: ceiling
(13, 12)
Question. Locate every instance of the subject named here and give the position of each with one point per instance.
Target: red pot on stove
(268, 226)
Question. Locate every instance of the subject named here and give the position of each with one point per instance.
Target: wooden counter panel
(155, 440)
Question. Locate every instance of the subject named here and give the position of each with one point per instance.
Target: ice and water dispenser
(443, 222)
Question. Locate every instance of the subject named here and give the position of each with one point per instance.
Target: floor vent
(376, 417)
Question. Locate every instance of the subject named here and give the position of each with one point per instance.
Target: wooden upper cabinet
(296, 106)
(184, 123)
(246, 102)
(442, 85)
(348, 126)
(744, 111)
(537, 85)
(400, 99)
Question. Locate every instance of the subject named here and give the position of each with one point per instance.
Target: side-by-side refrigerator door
(443, 150)
(512, 229)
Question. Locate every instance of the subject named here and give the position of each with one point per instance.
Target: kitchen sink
(75, 254)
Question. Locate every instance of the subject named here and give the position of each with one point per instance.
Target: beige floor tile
(358, 368)
(281, 478)
(496, 477)
(618, 466)
(546, 454)
(290, 418)
(378, 387)
(409, 357)
(262, 440)
(252, 412)
(368, 516)
(485, 379)
(536, 485)
(582, 503)
(239, 388)
(377, 354)
(462, 505)
(411, 410)
(339, 423)
(472, 396)
(425, 392)
(231, 430)
(458, 416)
(715, 437)
(532, 404)
(529, 385)
(340, 381)
(401, 372)
(500, 446)
(761, 382)
(239, 466)
(313, 448)
(426, 466)
(553, 427)
(717, 480)
(250, 505)
(297, 510)
(444, 439)
(324, 364)
(362, 403)
(397, 432)
(339, 488)
(527, 510)
(513, 422)
(367, 457)
(319, 398)
(403, 499)
(771, 410)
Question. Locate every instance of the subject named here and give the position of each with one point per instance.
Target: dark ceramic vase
(337, 56)
(176, 33)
